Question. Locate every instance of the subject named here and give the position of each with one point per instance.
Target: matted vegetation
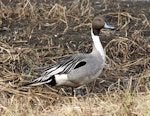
(35, 34)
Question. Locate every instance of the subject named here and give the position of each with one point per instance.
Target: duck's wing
(62, 68)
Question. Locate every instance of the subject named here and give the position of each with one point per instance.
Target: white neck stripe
(97, 44)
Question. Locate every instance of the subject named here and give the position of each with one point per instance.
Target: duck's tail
(40, 81)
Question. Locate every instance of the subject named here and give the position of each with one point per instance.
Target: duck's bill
(109, 26)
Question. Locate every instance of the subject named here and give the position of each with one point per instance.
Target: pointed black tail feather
(39, 81)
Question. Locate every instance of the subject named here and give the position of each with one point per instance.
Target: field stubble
(36, 34)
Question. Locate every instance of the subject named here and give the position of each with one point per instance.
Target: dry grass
(36, 34)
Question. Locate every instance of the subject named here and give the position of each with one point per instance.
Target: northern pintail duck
(80, 68)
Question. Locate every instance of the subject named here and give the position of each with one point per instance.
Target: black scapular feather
(80, 64)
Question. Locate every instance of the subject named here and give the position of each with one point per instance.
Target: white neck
(97, 44)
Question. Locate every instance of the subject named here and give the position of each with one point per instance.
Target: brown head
(98, 23)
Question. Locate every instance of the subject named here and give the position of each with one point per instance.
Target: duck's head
(98, 23)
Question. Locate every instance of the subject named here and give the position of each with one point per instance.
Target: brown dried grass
(33, 36)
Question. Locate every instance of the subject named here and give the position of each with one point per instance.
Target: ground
(34, 34)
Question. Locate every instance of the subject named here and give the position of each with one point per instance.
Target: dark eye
(80, 64)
